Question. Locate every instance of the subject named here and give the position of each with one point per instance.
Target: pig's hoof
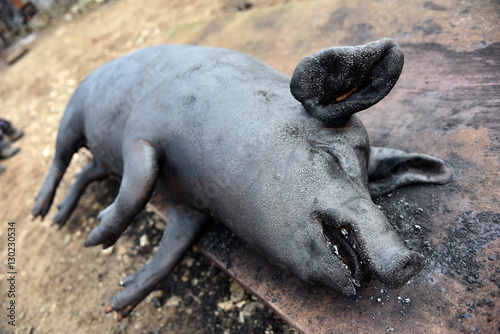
(110, 228)
(41, 207)
(101, 235)
(61, 216)
(136, 287)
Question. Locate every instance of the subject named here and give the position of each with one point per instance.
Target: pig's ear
(335, 83)
(389, 169)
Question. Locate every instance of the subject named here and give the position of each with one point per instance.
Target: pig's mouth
(342, 244)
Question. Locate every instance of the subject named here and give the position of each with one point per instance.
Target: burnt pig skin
(285, 164)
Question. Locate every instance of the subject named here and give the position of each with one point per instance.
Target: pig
(284, 163)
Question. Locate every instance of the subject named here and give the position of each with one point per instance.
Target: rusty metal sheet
(446, 105)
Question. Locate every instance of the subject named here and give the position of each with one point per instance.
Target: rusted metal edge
(243, 279)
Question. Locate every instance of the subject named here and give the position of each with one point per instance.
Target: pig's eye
(335, 161)
(325, 154)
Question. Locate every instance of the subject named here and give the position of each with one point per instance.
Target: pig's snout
(378, 244)
(398, 268)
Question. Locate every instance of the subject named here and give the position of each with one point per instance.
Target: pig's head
(346, 230)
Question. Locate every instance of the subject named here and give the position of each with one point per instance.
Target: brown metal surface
(446, 104)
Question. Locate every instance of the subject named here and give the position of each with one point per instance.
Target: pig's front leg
(140, 172)
(184, 226)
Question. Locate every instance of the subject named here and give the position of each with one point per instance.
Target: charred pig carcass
(285, 165)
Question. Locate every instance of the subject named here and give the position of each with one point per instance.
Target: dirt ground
(62, 287)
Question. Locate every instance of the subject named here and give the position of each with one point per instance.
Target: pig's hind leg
(140, 172)
(70, 138)
(91, 172)
(184, 226)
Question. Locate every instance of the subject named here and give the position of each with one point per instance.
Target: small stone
(46, 153)
(71, 82)
(249, 309)
(156, 294)
(144, 240)
(108, 251)
(188, 261)
(240, 304)
(140, 40)
(226, 306)
(237, 292)
(173, 301)
(241, 318)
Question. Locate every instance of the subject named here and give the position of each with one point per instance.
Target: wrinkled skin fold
(284, 163)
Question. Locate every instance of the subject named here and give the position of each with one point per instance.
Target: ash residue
(457, 255)
(219, 241)
(408, 218)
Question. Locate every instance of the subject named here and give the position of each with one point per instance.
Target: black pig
(286, 165)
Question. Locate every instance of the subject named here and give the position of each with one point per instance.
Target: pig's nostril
(409, 269)
(405, 266)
